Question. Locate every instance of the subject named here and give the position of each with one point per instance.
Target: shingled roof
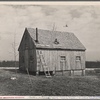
(55, 39)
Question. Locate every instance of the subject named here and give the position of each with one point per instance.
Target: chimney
(37, 35)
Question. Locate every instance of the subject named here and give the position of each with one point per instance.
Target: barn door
(26, 59)
(78, 62)
(62, 63)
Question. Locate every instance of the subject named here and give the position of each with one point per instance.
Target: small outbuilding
(51, 51)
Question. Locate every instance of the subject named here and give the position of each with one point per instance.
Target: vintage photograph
(49, 49)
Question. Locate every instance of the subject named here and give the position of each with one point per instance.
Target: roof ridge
(50, 30)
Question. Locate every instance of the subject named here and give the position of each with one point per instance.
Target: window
(78, 62)
(63, 58)
(62, 63)
(56, 41)
(78, 58)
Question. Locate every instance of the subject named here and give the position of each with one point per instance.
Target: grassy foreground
(55, 86)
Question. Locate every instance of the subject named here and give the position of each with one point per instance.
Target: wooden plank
(50, 57)
(50, 60)
(72, 60)
(33, 60)
(46, 57)
(54, 56)
(23, 63)
(40, 66)
(26, 59)
(67, 60)
(56, 60)
(83, 60)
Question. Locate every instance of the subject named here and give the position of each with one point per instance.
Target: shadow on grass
(25, 72)
(16, 71)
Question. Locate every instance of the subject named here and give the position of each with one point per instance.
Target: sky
(82, 20)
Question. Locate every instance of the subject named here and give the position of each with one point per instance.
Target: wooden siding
(28, 44)
(52, 59)
(32, 60)
(26, 41)
(82, 61)
(21, 60)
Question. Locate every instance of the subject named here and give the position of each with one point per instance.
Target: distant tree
(92, 64)
(14, 50)
(54, 27)
(8, 63)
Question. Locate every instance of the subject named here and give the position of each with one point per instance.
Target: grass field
(88, 85)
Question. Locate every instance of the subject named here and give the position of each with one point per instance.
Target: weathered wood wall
(27, 50)
(52, 59)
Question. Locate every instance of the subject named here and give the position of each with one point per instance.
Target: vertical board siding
(83, 60)
(52, 59)
(32, 62)
(58, 60)
(49, 59)
(67, 61)
(26, 40)
(82, 55)
(72, 60)
(22, 60)
(39, 65)
(46, 57)
(26, 57)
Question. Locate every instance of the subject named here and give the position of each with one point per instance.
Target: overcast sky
(83, 21)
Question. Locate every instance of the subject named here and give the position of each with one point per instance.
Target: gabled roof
(65, 40)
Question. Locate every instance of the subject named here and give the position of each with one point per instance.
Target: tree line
(9, 64)
(92, 64)
(89, 64)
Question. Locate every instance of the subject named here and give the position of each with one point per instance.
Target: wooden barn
(51, 51)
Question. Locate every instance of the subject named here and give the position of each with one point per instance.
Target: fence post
(83, 72)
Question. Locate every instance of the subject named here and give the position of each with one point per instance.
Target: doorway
(78, 62)
(62, 63)
(26, 59)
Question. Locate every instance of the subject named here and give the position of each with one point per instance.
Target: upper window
(78, 57)
(56, 41)
(62, 57)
